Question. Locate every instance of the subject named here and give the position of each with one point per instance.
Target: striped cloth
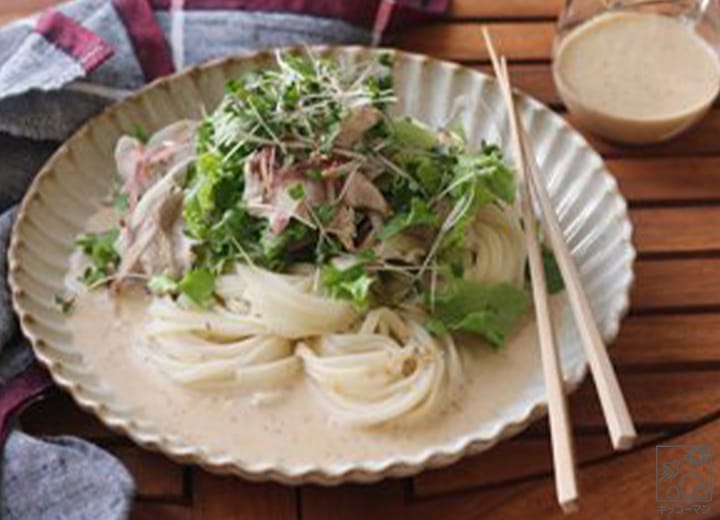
(66, 65)
(57, 70)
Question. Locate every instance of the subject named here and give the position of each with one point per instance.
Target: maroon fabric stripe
(89, 49)
(355, 12)
(148, 40)
(19, 392)
(383, 17)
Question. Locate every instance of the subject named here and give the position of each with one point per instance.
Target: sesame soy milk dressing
(294, 428)
(636, 77)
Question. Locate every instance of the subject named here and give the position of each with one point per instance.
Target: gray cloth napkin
(56, 71)
(62, 478)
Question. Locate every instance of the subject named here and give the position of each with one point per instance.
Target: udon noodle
(274, 327)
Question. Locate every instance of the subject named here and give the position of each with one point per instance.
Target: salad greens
(63, 303)
(489, 311)
(196, 284)
(350, 283)
(100, 249)
(419, 214)
(304, 164)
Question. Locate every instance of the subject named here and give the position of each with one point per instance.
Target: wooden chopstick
(615, 410)
(566, 487)
(612, 401)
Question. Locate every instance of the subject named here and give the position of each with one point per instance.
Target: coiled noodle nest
(387, 367)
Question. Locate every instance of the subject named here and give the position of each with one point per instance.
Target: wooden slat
(230, 498)
(157, 511)
(352, 502)
(693, 283)
(534, 80)
(510, 461)
(676, 229)
(12, 10)
(618, 489)
(6, 18)
(664, 399)
(467, 506)
(700, 140)
(59, 415)
(155, 476)
(25, 6)
(465, 9)
(464, 41)
(668, 340)
(668, 179)
(658, 400)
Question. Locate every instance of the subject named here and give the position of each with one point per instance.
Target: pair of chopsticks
(615, 411)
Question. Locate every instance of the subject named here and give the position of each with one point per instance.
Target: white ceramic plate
(69, 189)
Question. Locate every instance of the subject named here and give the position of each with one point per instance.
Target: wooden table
(667, 354)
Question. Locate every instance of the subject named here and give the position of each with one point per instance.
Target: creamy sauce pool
(636, 77)
(294, 428)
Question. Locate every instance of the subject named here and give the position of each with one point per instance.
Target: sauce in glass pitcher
(636, 77)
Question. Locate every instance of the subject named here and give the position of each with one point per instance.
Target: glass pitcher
(638, 71)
